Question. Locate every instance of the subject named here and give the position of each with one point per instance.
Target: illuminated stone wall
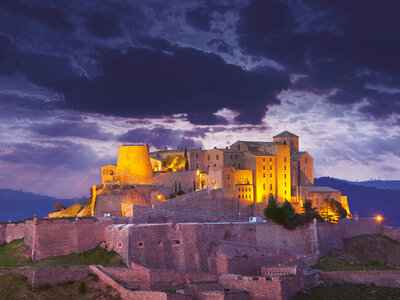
(134, 164)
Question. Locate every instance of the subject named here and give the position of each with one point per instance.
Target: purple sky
(79, 78)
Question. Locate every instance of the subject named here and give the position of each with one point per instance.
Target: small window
(263, 159)
(264, 175)
(284, 176)
(215, 165)
(235, 156)
(208, 156)
(108, 245)
(239, 189)
(176, 242)
(270, 159)
(263, 167)
(231, 156)
(229, 177)
(246, 196)
(160, 243)
(270, 175)
(217, 156)
(239, 196)
(238, 147)
(119, 245)
(141, 244)
(284, 159)
(285, 183)
(197, 155)
(242, 189)
(197, 166)
(285, 192)
(239, 166)
(270, 167)
(245, 189)
(107, 214)
(264, 186)
(270, 187)
(284, 167)
(234, 165)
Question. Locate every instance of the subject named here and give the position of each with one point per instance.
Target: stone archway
(203, 183)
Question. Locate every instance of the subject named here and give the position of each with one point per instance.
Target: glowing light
(159, 197)
(379, 218)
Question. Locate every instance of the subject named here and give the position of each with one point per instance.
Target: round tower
(134, 164)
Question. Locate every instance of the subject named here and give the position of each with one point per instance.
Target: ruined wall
(353, 227)
(51, 237)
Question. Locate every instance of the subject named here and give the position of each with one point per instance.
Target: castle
(189, 220)
(240, 179)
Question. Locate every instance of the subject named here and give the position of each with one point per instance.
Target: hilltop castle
(237, 180)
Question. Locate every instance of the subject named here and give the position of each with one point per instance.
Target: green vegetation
(332, 210)
(16, 287)
(58, 206)
(283, 215)
(362, 253)
(345, 290)
(335, 263)
(16, 254)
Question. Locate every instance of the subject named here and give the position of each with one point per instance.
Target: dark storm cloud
(361, 35)
(103, 25)
(145, 82)
(198, 19)
(45, 14)
(72, 129)
(52, 154)
(160, 137)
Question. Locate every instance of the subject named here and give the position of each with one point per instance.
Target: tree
(332, 210)
(186, 160)
(180, 191)
(194, 185)
(289, 217)
(309, 213)
(58, 206)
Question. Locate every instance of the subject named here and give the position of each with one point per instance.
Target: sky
(80, 78)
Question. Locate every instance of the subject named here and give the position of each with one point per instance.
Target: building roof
(318, 189)
(297, 155)
(286, 134)
(258, 144)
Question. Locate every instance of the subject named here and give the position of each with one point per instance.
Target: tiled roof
(318, 189)
(286, 134)
(297, 155)
(259, 144)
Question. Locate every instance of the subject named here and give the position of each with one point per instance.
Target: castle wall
(109, 201)
(380, 278)
(329, 237)
(306, 170)
(2, 233)
(393, 233)
(353, 227)
(207, 202)
(168, 179)
(217, 247)
(43, 276)
(52, 237)
(11, 231)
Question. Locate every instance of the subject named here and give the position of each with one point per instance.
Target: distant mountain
(367, 201)
(19, 205)
(379, 184)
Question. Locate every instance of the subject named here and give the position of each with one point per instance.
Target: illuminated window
(242, 189)
(270, 159)
(264, 175)
(245, 189)
(263, 167)
(270, 186)
(306, 160)
(284, 159)
(284, 176)
(217, 156)
(285, 192)
(239, 189)
(270, 175)
(264, 186)
(270, 167)
(263, 159)
(246, 196)
(119, 245)
(239, 196)
(284, 167)
(160, 243)
(285, 183)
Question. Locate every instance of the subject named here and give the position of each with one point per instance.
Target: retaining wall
(381, 278)
(52, 276)
(353, 227)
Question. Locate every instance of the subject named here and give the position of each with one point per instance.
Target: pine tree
(175, 189)
(194, 185)
(290, 219)
(186, 160)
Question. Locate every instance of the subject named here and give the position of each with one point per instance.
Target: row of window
(244, 189)
(245, 196)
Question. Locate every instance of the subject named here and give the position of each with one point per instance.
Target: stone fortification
(391, 232)
(133, 164)
(380, 278)
(208, 247)
(11, 231)
(53, 237)
(356, 226)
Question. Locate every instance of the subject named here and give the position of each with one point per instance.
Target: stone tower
(288, 138)
(134, 164)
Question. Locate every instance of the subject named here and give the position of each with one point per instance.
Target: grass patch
(16, 287)
(16, 254)
(353, 291)
(335, 263)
